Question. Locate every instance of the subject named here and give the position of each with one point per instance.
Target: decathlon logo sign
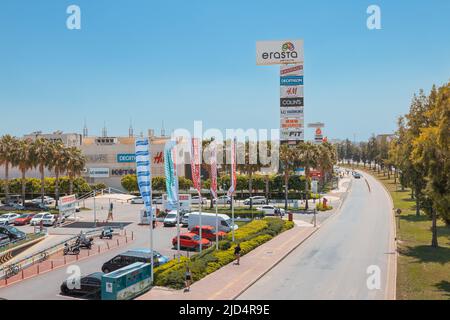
(291, 81)
(279, 52)
(126, 157)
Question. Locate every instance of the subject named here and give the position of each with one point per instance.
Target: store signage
(291, 91)
(98, 172)
(291, 81)
(287, 112)
(126, 157)
(291, 70)
(279, 52)
(292, 102)
(122, 172)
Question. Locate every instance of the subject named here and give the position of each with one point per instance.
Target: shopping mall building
(108, 158)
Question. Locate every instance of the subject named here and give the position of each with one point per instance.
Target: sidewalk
(230, 281)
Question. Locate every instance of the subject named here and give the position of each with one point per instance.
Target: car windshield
(24, 216)
(39, 215)
(48, 216)
(196, 237)
(171, 215)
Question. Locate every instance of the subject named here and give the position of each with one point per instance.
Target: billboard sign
(291, 91)
(291, 70)
(287, 112)
(294, 123)
(67, 205)
(291, 81)
(292, 134)
(292, 102)
(126, 157)
(98, 172)
(279, 52)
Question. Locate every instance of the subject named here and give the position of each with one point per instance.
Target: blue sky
(180, 61)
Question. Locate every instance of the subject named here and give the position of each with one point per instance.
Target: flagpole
(232, 216)
(217, 226)
(178, 227)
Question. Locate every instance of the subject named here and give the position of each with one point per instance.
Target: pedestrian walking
(237, 253)
(110, 212)
(187, 279)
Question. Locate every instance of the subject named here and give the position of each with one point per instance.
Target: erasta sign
(279, 52)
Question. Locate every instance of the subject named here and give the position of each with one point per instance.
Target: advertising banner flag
(170, 168)
(143, 172)
(232, 189)
(213, 162)
(196, 163)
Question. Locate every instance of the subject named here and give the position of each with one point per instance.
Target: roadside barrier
(53, 261)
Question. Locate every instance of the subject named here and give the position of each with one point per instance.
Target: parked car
(23, 219)
(50, 220)
(4, 240)
(137, 200)
(255, 200)
(37, 218)
(90, 285)
(14, 234)
(208, 232)
(47, 200)
(357, 175)
(8, 218)
(157, 200)
(132, 256)
(185, 219)
(13, 199)
(271, 210)
(36, 206)
(209, 219)
(171, 219)
(223, 200)
(191, 240)
(196, 200)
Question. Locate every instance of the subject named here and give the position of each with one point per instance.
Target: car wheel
(64, 290)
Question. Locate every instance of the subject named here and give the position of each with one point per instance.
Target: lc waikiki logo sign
(279, 52)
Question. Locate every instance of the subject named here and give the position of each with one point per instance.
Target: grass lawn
(423, 272)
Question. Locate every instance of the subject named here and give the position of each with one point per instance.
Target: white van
(209, 219)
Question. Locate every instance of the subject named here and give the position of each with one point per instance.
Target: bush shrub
(248, 229)
(320, 207)
(250, 236)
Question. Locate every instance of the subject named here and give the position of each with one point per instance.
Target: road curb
(275, 264)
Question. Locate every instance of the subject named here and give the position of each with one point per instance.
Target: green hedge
(320, 207)
(250, 236)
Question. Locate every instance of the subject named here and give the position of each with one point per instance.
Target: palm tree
(75, 165)
(59, 160)
(42, 154)
(287, 161)
(23, 159)
(250, 165)
(307, 155)
(7, 146)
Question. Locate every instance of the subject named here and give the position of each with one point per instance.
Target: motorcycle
(71, 249)
(84, 242)
(107, 233)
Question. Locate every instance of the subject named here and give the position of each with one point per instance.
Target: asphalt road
(333, 263)
(46, 286)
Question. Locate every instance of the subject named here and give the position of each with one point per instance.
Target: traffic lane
(46, 286)
(333, 263)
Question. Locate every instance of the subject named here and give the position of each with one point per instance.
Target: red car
(208, 233)
(24, 219)
(191, 240)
